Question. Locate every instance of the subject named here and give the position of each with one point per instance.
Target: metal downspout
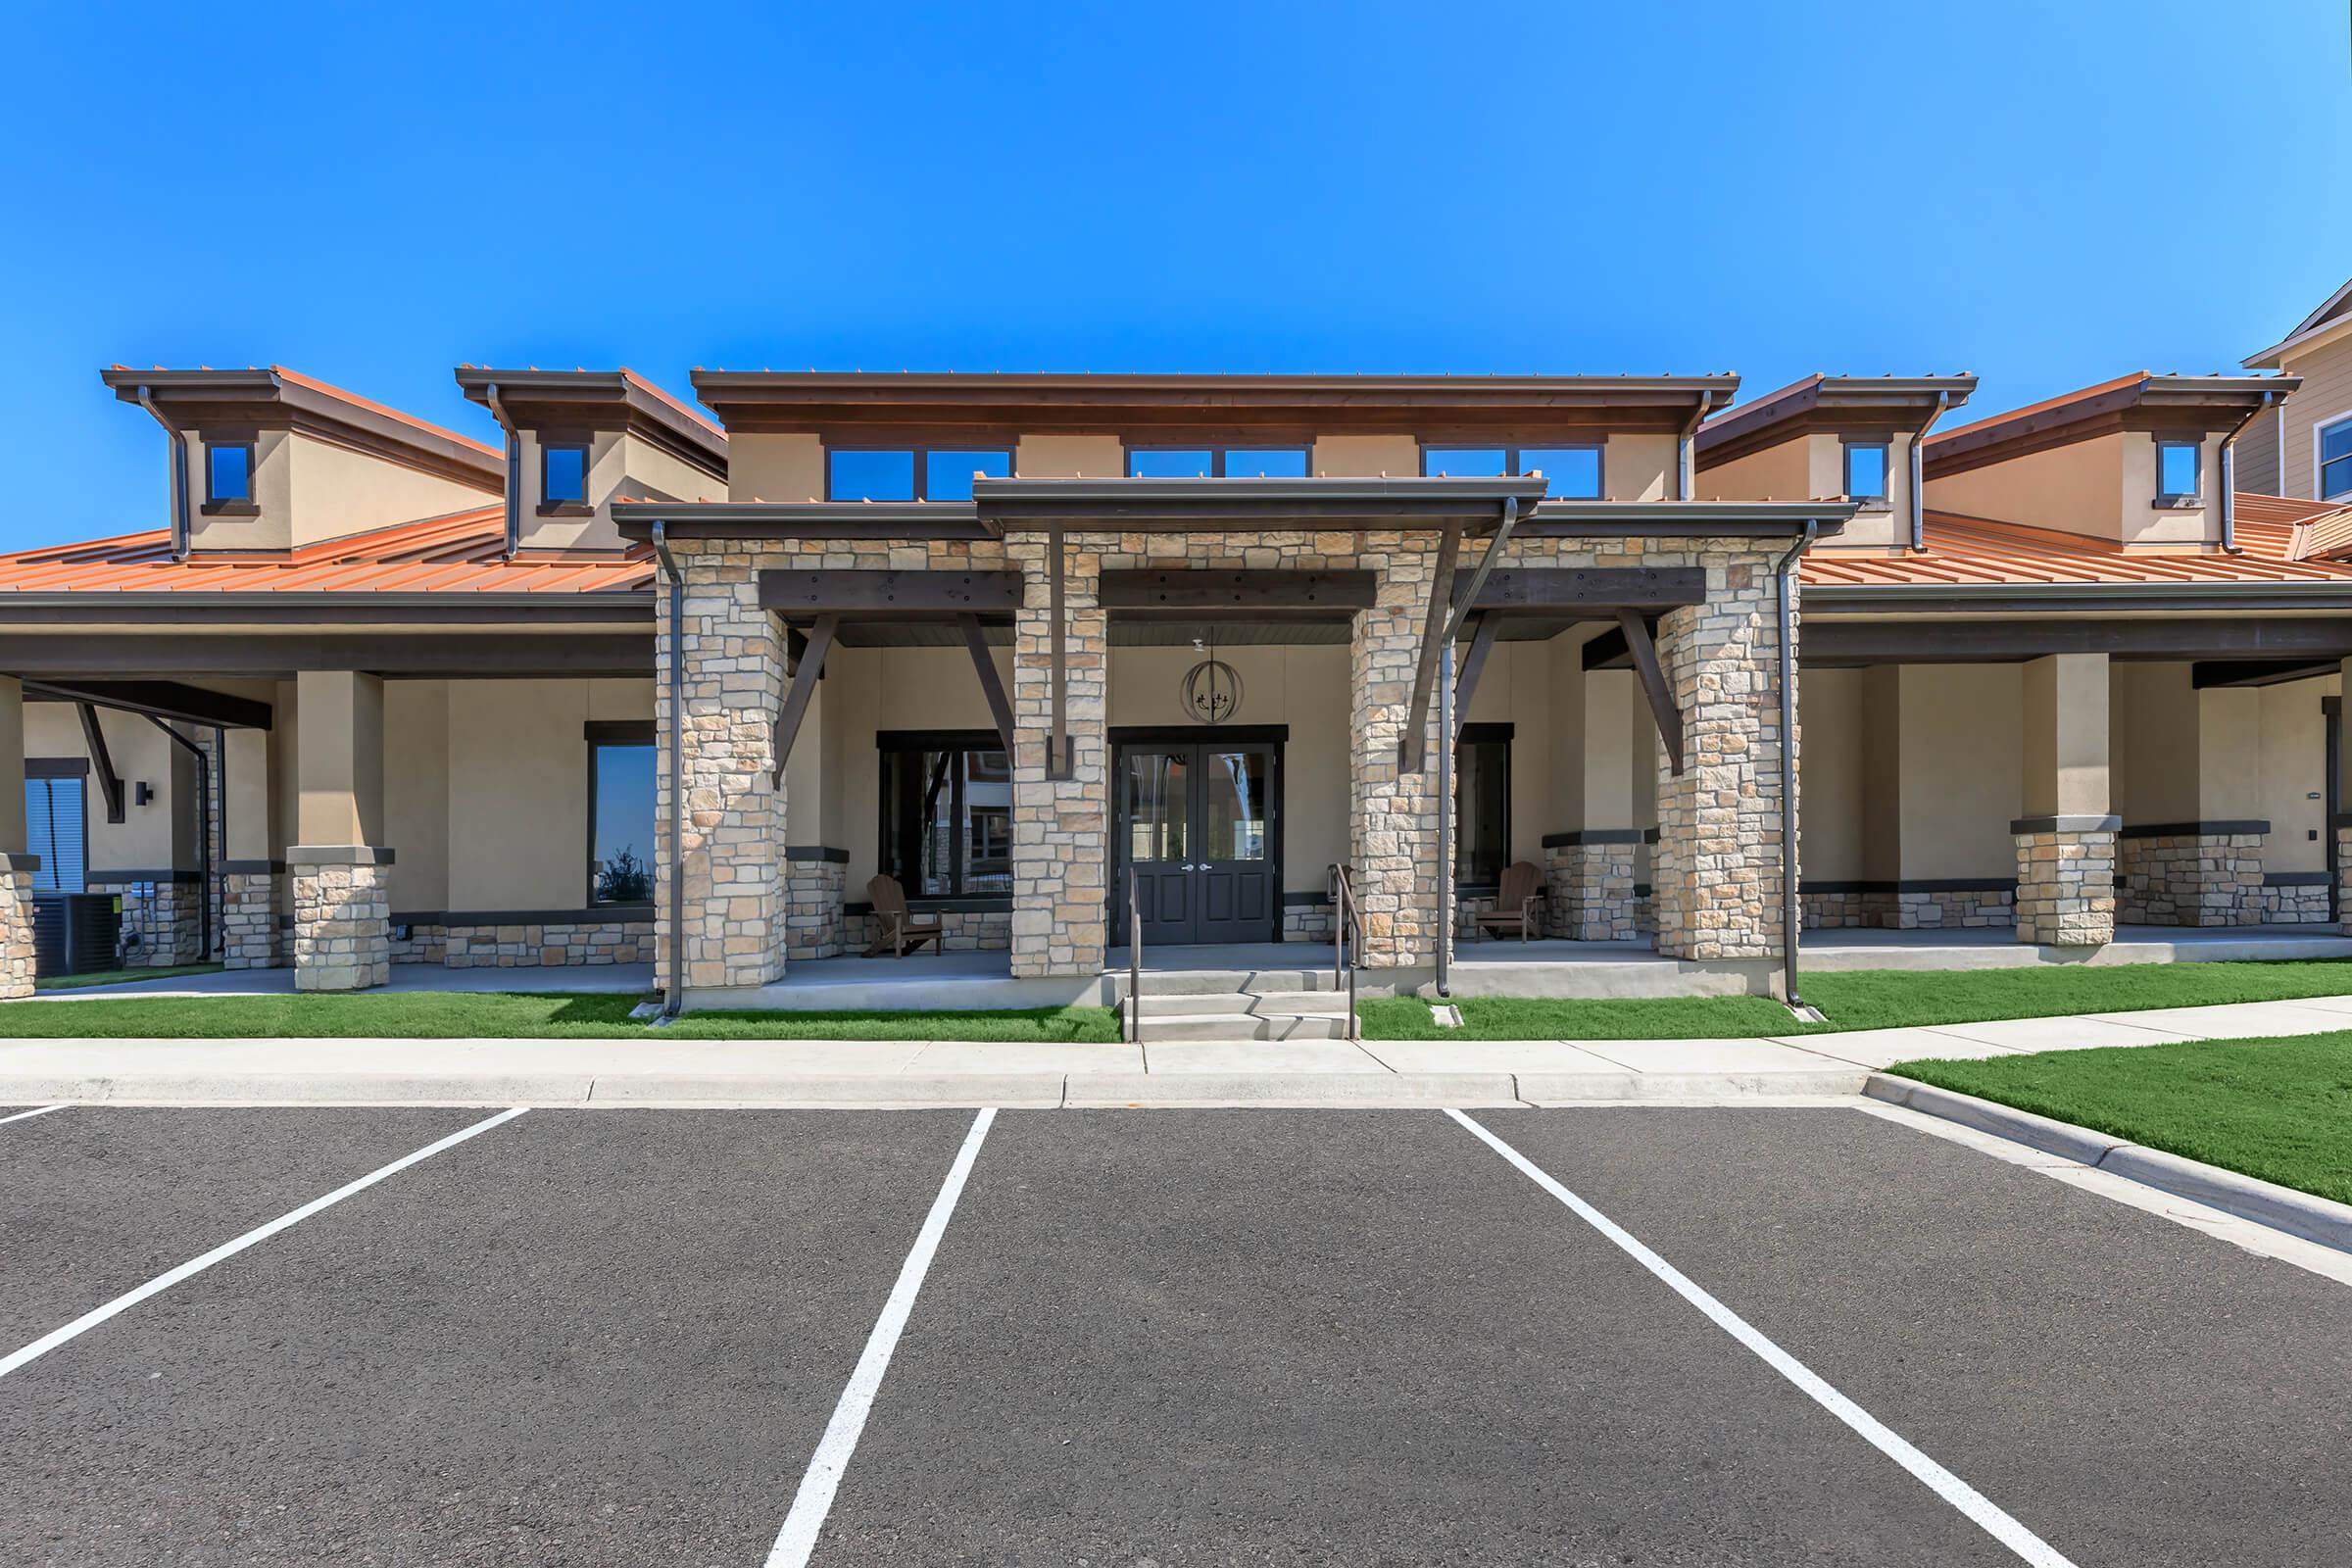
(179, 477)
(2229, 544)
(1791, 917)
(1685, 453)
(498, 412)
(673, 994)
(1454, 615)
(1919, 475)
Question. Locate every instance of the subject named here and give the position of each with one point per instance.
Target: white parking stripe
(810, 1505)
(260, 1232)
(1996, 1522)
(23, 1114)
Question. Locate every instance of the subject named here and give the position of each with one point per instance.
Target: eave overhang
(2199, 404)
(599, 400)
(1834, 404)
(807, 401)
(2073, 598)
(1203, 505)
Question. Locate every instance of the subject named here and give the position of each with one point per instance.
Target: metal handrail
(1135, 966)
(1346, 940)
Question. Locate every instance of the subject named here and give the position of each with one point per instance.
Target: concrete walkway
(816, 1072)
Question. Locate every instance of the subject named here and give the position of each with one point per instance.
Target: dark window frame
(596, 734)
(921, 451)
(566, 441)
(1483, 734)
(1513, 464)
(2196, 471)
(916, 743)
(76, 768)
(1846, 447)
(1218, 454)
(2321, 463)
(217, 505)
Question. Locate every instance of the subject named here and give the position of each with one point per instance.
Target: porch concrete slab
(1257, 1056)
(2066, 1034)
(1883, 1048)
(1488, 1055)
(2244, 1020)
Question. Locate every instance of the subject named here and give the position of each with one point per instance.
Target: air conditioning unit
(74, 933)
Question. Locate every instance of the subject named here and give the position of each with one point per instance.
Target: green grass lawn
(1872, 999)
(442, 1015)
(2280, 1109)
(74, 982)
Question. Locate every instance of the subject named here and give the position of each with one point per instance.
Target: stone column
(730, 914)
(16, 864)
(2066, 838)
(340, 868)
(249, 868)
(1718, 859)
(1392, 820)
(1061, 826)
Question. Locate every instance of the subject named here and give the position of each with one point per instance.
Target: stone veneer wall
(1589, 885)
(1898, 906)
(1717, 864)
(342, 918)
(2294, 903)
(528, 945)
(2065, 880)
(1393, 816)
(1061, 825)
(15, 924)
(163, 913)
(813, 881)
(960, 930)
(2207, 874)
(1306, 922)
(250, 936)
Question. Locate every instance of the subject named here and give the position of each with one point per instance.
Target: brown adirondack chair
(1518, 901)
(894, 928)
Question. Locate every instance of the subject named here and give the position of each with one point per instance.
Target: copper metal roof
(1970, 551)
(458, 554)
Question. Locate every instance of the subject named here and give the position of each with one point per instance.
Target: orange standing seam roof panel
(1978, 550)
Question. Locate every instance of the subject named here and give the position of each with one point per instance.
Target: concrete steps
(1238, 1015)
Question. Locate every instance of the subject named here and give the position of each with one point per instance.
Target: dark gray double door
(1198, 831)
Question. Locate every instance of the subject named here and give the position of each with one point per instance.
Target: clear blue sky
(2047, 195)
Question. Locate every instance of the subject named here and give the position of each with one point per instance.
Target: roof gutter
(2229, 544)
(179, 476)
(514, 487)
(1919, 479)
(673, 994)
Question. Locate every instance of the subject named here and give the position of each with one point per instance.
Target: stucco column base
(1588, 884)
(15, 924)
(2065, 880)
(342, 916)
(249, 931)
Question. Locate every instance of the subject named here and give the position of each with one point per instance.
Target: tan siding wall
(2257, 455)
(776, 468)
(1782, 473)
(2077, 488)
(1367, 457)
(337, 492)
(2325, 396)
(1070, 456)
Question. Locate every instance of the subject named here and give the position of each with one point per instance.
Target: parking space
(1188, 1336)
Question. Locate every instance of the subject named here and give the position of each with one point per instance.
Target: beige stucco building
(1062, 658)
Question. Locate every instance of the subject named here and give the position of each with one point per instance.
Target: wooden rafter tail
(1662, 707)
(803, 690)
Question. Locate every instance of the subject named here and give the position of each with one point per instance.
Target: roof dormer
(270, 460)
(581, 439)
(1849, 436)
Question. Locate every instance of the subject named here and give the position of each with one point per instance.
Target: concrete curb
(1461, 1089)
(2249, 1197)
(1633, 1088)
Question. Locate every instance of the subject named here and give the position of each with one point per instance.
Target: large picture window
(57, 823)
(1217, 462)
(1481, 805)
(910, 474)
(620, 813)
(1572, 472)
(2335, 460)
(947, 815)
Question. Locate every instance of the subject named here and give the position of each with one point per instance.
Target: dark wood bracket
(991, 687)
(1645, 653)
(803, 692)
(1410, 752)
(1483, 627)
(102, 763)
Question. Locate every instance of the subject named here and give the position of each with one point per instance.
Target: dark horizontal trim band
(816, 852)
(1304, 899)
(2294, 879)
(2066, 824)
(970, 903)
(2191, 830)
(167, 875)
(57, 768)
(251, 867)
(1601, 835)
(339, 855)
(1948, 884)
(598, 915)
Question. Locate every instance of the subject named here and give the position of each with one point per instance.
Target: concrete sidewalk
(1314, 1072)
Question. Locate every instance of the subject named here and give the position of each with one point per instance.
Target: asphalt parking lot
(1674, 1336)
